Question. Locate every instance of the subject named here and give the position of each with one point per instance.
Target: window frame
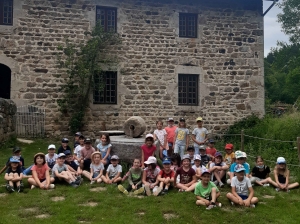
(187, 88)
(106, 8)
(104, 91)
(2, 13)
(186, 27)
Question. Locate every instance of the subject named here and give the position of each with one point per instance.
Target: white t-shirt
(59, 168)
(51, 161)
(97, 168)
(113, 170)
(200, 134)
(77, 151)
(161, 135)
(213, 164)
(241, 187)
(201, 168)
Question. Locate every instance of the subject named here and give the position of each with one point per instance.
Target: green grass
(114, 207)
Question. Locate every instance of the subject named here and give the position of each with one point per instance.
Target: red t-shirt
(170, 133)
(163, 174)
(148, 151)
(185, 177)
(41, 171)
(211, 151)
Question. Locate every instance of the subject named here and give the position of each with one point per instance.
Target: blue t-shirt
(103, 149)
(246, 166)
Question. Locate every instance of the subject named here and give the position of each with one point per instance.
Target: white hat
(239, 154)
(61, 155)
(149, 136)
(115, 157)
(197, 157)
(244, 155)
(280, 160)
(150, 160)
(51, 146)
(170, 119)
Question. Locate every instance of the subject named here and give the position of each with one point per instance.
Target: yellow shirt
(229, 158)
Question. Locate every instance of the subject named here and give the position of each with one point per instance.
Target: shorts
(42, 180)
(244, 197)
(208, 197)
(96, 174)
(111, 177)
(57, 180)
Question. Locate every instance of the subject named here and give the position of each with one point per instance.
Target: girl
(181, 140)
(148, 149)
(14, 175)
(170, 130)
(96, 168)
(77, 150)
(218, 169)
(104, 147)
(150, 174)
(160, 134)
(260, 173)
(210, 149)
(187, 175)
(282, 174)
(175, 162)
(40, 173)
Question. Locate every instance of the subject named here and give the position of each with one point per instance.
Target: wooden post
(242, 140)
(298, 146)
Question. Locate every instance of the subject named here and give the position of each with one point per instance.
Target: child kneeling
(241, 189)
(207, 192)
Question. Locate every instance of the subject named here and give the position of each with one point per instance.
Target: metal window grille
(108, 95)
(107, 17)
(6, 12)
(188, 25)
(188, 89)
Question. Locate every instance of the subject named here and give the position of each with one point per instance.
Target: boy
(64, 146)
(210, 149)
(51, 156)
(240, 159)
(199, 135)
(113, 172)
(85, 154)
(14, 175)
(207, 192)
(72, 166)
(186, 173)
(166, 177)
(241, 189)
(76, 142)
(218, 168)
(191, 153)
(229, 157)
(17, 155)
(170, 129)
(78, 148)
(205, 159)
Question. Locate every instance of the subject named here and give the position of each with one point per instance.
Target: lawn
(105, 204)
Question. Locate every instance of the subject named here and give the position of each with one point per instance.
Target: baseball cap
(65, 140)
(186, 157)
(87, 140)
(14, 160)
(67, 152)
(229, 146)
(280, 160)
(199, 119)
(170, 119)
(149, 136)
(52, 146)
(204, 171)
(211, 141)
(239, 168)
(78, 133)
(202, 147)
(190, 148)
(166, 161)
(61, 155)
(150, 160)
(239, 154)
(114, 157)
(244, 155)
(182, 119)
(218, 154)
(16, 149)
(197, 157)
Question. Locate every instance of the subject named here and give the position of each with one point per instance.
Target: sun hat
(199, 119)
(202, 147)
(281, 160)
(16, 149)
(61, 155)
(39, 154)
(52, 146)
(218, 154)
(150, 160)
(166, 161)
(229, 146)
(94, 153)
(239, 168)
(186, 157)
(149, 136)
(197, 157)
(114, 157)
(14, 160)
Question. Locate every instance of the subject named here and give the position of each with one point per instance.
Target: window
(188, 89)
(107, 17)
(188, 25)
(109, 93)
(6, 12)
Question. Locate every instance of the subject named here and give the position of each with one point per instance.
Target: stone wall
(7, 119)
(227, 55)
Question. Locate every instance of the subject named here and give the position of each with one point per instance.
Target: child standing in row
(113, 172)
(160, 135)
(170, 129)
(181, 140)
(14, 175)
(104, 147)
(96, 169)
(148, 149)
(199, 135)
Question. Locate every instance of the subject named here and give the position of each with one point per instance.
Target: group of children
(202, 170)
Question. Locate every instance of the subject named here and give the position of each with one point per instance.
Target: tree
(290, 19)
(83, 63)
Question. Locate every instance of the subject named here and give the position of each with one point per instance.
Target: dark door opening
(5, 79)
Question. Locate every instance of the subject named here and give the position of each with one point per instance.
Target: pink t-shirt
(170, 133)
(41, 171)
(148, 151)
(211, 151)
(86, 154)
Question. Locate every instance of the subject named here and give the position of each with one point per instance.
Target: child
(148, 149)
(175, 162)
(260, 173)
(76, 142)
(40, 173)
(181, 140)
(205, 159)
(14, 175)
(191, 153)
(240, 159)
(199, 135)
(64, 146)
(85, 154)
(150, 174)
(61, 172)
(207, 192)
(210, 149)
(218, 169)
(170, 130)
(77, 150)
(135, 174)
(72, 166)
(229, 157)
(187, 175)
(96, 168)
(160, 134)
(51, 156)
(197, 162)
(166, 177)
(104, 147)
(17, 155)
(113, 172)
(282, 174)
(241, 189)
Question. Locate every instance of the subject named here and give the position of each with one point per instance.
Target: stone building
(179, 58)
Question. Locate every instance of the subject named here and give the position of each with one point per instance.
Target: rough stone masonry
(227, 55)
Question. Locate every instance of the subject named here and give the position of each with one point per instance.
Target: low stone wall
(7, 119)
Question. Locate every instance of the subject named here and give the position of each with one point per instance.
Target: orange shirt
(170, 133)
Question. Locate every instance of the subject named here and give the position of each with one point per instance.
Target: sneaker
(232, 203)
(78, 182)
(221, 184)
(158, 190)
(277, 189)
(122, 189)
(9, 188)
(216, 182)
(252, 205)
(92, 182)
(148, 191)
(139, 191)
(219, 204)
(181, 190)
(266, 185)
(73, 184)
(32, 187)
(210, 207)
(164, 191)
(18, 189)
(51, 186)
(288, 190)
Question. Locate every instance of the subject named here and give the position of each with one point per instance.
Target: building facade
(178, 58)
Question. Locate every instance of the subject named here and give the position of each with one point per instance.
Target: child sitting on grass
(40, 173)
(166, 177)
(187, 175)
(241, 189)
(96, 169)
(72, 166)
(210, 149)
(260, 173)
(191, 153)
(240, 159)
(218, 169)
(61, 172)
(135, 174)
(282, 175)
(64, 146)
(77, 150)
(14, 175)
(150, 174)
(205, 159)
(229, 157)
(207, 192)
(113, 172)
(51, 156)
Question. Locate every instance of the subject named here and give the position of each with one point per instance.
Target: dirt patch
(25, 140)
(31, 209)
(262, 202)
(141, 213)
(170, 216)
(98, 189)
(84, 222)
(58, 198)
(2, 195)
(42, 216)
(268, 196)
(90, 204)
